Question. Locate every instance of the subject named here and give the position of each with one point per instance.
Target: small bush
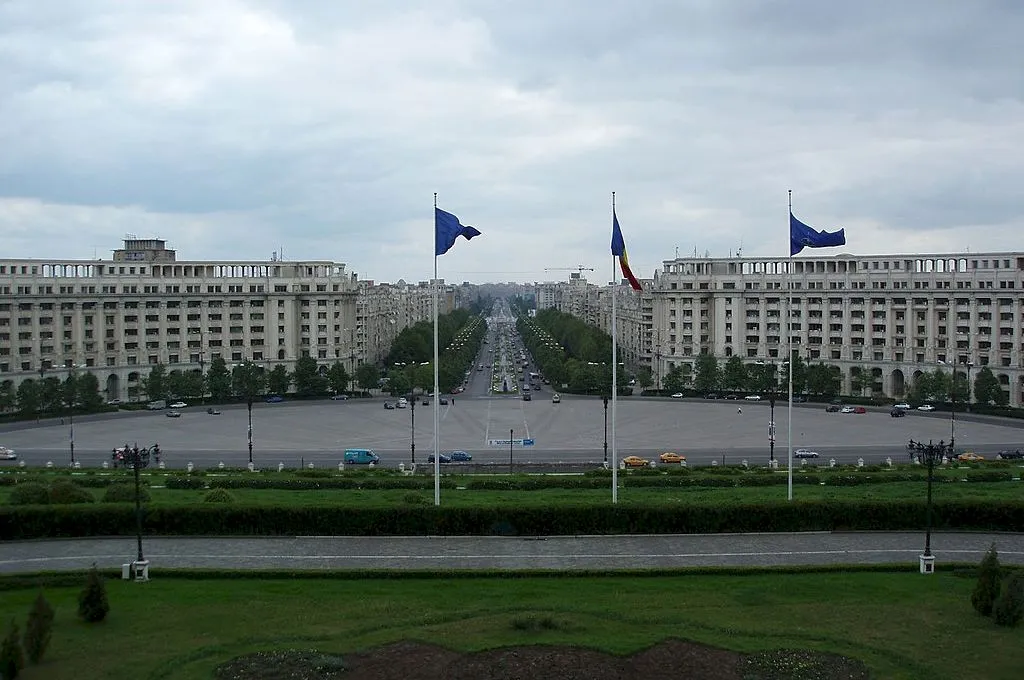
(124, 492)
(1008, 609)
(413, 498)
(190, 482)
(38, 629)
(30, 493)
(63, 492)
(92, 601)
(535, 623)
(12, 657)
(218, 496)
(987, 589)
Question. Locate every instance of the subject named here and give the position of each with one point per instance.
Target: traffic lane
(208, 458)
(570, 553)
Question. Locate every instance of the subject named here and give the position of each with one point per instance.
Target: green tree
(176, 386)
(706, 377)
(1008, 609)
(93, 605)
(423, 376)
(799, 375)
(307, 378)
(824, 380)
(398, 382)
(278, 381)
(337, 377)
(39, 629)
(12, 657)
(763, 377)
(87, 391)
(644, 378)
(986, 590)
(7, 396)
(367, 376)
(28, 397)
(248, 381)
(155, 384)
(218, 380)
(860, 380)
(734, 375)
(193, 385)
(51, 395)
(674, 381)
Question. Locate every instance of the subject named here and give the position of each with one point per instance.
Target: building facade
(118, 317)
(895, 315)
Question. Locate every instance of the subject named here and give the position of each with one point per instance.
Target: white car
(903, 406)
(753, 397)
(846, 409)
(179, 404)
(925, 407)
(677, 395)
(7, 454)
(805, 453)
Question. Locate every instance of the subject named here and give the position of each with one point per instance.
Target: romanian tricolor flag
(619, 251)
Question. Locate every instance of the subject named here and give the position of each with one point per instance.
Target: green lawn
(903, 625)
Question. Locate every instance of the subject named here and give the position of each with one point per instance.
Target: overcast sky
(233, 128)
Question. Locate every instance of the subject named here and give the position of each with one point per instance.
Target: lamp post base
(139, 571)
(927, 563)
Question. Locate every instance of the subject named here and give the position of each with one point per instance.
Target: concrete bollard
(280, 467)
(310, 465)
(831, 462)
(860, 462)
(77, 465)
(945, 460)
(401, 467)
(251, 467)
(49, 463)
(888, 461)
(190, 467)
(803, 462)
(220, 465)
(682, 463)
(714, 463)
(105, 465)
(161, 465)
(744, 463)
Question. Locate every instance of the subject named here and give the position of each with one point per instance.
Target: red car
(859, 409)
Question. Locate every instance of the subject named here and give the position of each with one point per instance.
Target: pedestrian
(739, 409)
(453, 401)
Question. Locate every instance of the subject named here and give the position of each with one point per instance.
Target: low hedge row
(30, 522)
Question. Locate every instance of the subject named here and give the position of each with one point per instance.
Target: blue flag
(801, 236)
(446, 229)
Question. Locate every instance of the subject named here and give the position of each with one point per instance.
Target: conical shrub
(92, 601)
(987, 589)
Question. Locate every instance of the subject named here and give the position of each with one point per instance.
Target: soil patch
(668, 660)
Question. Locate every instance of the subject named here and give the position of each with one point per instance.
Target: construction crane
(579, 268)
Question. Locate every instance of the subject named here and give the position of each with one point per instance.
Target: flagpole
(615, 391)
(437, 456)
(789, 336)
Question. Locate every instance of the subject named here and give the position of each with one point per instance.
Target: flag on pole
(447, 228)
(619, 251)
(801, 236)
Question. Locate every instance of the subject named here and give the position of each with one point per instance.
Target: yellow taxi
(670, 457)
(634, 461)
(970, 457)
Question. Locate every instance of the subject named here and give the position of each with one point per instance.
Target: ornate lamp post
(929, 454)
(969, 366)
(133, 457)
(71, 396)
(412, 436)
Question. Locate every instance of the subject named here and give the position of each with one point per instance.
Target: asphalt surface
(568, 553)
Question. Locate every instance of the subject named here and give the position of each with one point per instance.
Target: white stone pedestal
(927, 564)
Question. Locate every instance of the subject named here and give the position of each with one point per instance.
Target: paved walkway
(462, 552)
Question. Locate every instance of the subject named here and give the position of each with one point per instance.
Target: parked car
(443, 401)
(805, 453)
(426, 401)
(859, 409)
(898, 413)
(274, 399)
(677, 395)
(389, 406)
(339, 397)
(7, 454)
(925, 407)
(634, 461)
(970, 457)
(556, 399)
(527, 396)
(114, 402)
(360, 457)
(846, 409)
(1007, 455)
(173, 414)
(832, 408)
(402, 402)
(670, 457)
(753, 397)
(711, 395)
(460, 456)
(731, 396)
(179, 404)
(903, 406)
(443, 457)
(212, 411)
(799, 399)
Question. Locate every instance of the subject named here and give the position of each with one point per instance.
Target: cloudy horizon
(236, 128)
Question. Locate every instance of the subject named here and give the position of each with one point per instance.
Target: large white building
(118, 317)
(896, 315)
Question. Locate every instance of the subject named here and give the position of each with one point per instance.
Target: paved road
(562, 553)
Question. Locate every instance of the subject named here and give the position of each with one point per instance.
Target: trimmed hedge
(25, 522)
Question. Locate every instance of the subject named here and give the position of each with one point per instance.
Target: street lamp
(71, 393)
(134, 457)
(929, 454)
(604, 398)
(952, 404)
(412, 436)
(248, 405)
(969, 366)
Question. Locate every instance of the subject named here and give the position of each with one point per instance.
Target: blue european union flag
(801, 236)
(447, 228)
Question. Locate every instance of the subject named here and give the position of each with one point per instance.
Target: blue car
(274, 399)
(460, 456)
(445, 458)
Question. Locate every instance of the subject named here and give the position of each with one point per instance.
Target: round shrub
(30, 493)
(218, 496)
(124, 492)
(1008, 609)
(63, 492)
(413, 498)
